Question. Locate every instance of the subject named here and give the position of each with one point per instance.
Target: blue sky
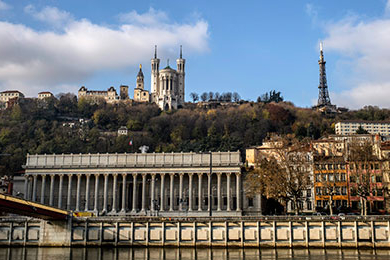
(249, 47)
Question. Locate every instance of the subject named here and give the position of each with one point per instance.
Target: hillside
(53, 126)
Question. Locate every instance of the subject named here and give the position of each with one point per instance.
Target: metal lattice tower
(323, 95)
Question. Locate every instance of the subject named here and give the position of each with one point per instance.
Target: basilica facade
(164, 184)
(167, 85)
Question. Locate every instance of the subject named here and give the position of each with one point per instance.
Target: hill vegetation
(54, 126)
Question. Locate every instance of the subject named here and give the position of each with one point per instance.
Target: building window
(344, 191)
(308, 193)
(308, 205)
(343, 177)
(318, 179)
(250, 202)
(319, 204)
(318, 190)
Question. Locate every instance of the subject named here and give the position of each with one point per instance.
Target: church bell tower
(154, 89)
(181, 74)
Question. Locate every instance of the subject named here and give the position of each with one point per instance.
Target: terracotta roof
(11, 91)
(45, 92)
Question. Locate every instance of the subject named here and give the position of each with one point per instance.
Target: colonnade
(134, 185)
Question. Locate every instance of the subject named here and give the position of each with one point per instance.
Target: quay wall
(196, 233)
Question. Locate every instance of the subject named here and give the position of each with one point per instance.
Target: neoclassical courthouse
(164, 184)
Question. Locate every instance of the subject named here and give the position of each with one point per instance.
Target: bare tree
(236, 97)
(284, 173)
(211, 95)
(194, 96)
(204, 96)
(362, 166)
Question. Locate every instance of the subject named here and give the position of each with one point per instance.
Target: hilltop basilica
(167, 87)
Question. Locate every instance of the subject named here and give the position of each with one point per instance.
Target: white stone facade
(171, 184)
(167, 85)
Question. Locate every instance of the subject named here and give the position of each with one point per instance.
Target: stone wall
(239, 233)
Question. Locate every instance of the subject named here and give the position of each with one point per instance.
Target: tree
(227, 97)
(284, 173)
(211, 95)
(361, 131)
(194, 96)
(273, 96)
(204, 96)
(362, 165)
(236, 97)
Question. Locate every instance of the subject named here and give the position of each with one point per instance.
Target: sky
(249, 47)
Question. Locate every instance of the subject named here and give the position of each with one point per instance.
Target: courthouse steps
(352, 233)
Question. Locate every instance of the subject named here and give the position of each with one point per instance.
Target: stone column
(95, 206)
(123, 210)
(26, 187)
(105, 195)
(51, 190)
(172, 176)
(152, 192)
(181, 191)
(114, 184)
(60, 191)
(68, 201)
(209, 199)
(87, 184)
(134, 210)
(43, 187)
(162, 192)
(78, 192)
(228, 191)
(190, 175)
(34, 188)
(219, 191)
(200, 191)
(143, 192)
(238, 190)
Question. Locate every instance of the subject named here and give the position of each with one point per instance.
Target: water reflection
(109, 253)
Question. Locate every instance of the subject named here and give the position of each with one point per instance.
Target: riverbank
(370, 232)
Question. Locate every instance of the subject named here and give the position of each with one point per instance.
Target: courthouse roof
(132, 160)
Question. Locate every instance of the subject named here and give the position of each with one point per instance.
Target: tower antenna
(167, 62)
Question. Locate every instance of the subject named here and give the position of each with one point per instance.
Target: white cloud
(365, 60)
(152, 17)
(387, 8)
(50, 15)
(32, 60)
(4, 6)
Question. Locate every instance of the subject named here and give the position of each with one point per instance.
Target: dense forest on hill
(53, 126)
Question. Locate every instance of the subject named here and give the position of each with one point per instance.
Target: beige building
(45, 94)
(373, 127)
(110, 96)
(167, 85)
(7, 95)
(140, 94)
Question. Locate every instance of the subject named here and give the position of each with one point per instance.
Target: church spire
(323, 95)
(155, 51)
(181, 52)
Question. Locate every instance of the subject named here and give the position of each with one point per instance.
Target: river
(110, 253)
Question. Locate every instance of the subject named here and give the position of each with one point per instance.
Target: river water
(109, 253)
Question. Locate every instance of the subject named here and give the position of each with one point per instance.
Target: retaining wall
(238, 233)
